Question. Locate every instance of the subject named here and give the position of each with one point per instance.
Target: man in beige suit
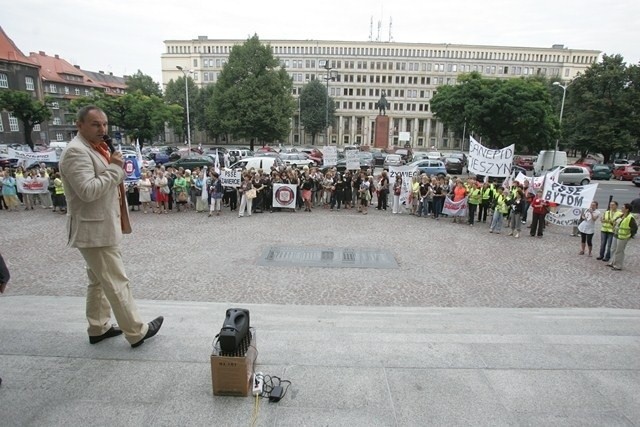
(91, 175)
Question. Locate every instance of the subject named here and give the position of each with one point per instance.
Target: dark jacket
(4, 272)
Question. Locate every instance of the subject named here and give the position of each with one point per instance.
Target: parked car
(572, 174)
(297, 160)
(314, 154)
(524, 162)
(434, 155)
(453, 165)
(601, 172)
(237, 154)
(459, 155)
(626, 173)
(620, 162)
(636, 181)
(430, 167)
(378, 156)
(393, 160)
(191, 162)
(367, 160)
(419, 155)
(256, 163)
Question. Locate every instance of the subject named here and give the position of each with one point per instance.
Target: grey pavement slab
(355, 366)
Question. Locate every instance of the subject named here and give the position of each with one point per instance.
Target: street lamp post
(564, 95)
(186, 90)
(329, 76)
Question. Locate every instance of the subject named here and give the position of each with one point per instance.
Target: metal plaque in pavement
(288, 256)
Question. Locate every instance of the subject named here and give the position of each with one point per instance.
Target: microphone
(107, 140)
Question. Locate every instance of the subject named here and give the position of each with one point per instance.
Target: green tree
(143, 83)
(601, 112)
(25, 108)
(175, 94)
(313, 108)
(503, 112)
(252, 97)
(139, 116)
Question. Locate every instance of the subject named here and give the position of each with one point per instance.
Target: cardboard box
(231, 375)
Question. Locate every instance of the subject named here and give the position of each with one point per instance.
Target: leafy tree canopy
(141, 116)
(252, 97)
(143, 83)
(29, 110)
(602, 109)
(503, 112)
(313, 108)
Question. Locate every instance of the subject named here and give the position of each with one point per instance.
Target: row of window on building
(395, 52)
(28, 82)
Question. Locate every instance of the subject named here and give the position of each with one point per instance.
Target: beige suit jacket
(91, 190)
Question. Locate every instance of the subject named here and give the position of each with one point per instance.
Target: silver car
(572, 174)
(393, 160)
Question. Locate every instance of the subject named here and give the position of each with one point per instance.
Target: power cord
(274, 387)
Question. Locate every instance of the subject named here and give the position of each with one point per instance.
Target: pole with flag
(205, 186)
(138, 152)
(216, 165)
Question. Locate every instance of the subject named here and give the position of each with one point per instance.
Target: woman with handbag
(247, 194)
(199, 183)
(397, 189)
(215, 193)
(181, 190)
(161, 184)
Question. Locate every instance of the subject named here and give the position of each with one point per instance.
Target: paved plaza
(472, 328)
(191, 257)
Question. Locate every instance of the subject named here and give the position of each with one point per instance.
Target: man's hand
(116, 159)
(3, 286)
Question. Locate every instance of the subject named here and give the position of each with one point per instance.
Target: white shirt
(588, 226)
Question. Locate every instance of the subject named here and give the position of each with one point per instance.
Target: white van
(256, 163)
(546, 161)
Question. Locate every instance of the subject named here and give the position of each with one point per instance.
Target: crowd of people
(168, 189)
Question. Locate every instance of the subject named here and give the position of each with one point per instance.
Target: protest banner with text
(452, 208)
(577, 196)
(32, 185)
(565, 218)
(353, 161)
(231, 177)
(406, 173)
(329, 155)
(490, 162)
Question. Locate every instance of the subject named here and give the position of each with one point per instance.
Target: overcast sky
(123, 36)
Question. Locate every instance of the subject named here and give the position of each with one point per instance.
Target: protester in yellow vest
(475, 198)
(499, 212)
(608, 219)
(624, 229)
(487, 195)
(59, 201)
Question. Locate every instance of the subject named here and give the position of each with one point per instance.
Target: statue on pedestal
(382, 104)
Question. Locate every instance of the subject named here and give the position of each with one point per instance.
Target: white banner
(284, 196)
(32, 186)
(39, 156)
(231, 177)
(522, 178)
(486, 161)
(353, 161)
(329, 155)
(577, 196)
(455, 208)
(565, 218)
(406, 173)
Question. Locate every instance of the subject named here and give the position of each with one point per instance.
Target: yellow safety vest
(475, 196)
(486, 193)
(624, 230)
(608, 220)
(59, 188)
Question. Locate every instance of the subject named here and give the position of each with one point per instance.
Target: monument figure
(382, 104)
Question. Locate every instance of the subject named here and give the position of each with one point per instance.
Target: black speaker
(234, 329)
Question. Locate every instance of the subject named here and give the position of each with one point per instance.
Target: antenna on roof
(390, 29)
(371, 29)
(379, 28)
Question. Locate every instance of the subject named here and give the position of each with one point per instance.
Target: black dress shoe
(154, 327)
(114, 331)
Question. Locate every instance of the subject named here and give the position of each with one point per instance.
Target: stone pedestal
(381, 139)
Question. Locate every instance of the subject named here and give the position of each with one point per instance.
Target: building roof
(10, 52)
(56, 69)
(107, 80)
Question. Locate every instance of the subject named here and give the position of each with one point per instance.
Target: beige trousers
(109, 290)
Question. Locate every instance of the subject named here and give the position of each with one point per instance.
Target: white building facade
(409, 74)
